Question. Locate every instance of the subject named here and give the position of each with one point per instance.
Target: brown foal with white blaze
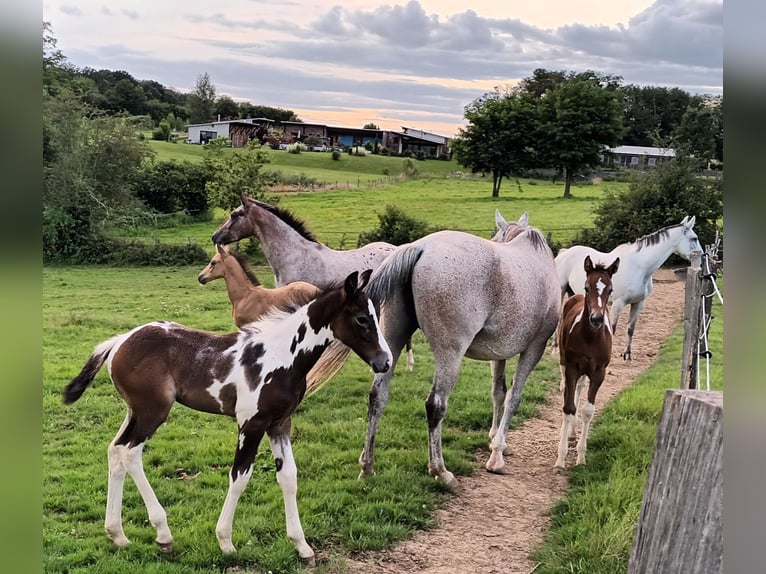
(256, 375)
(585, 349)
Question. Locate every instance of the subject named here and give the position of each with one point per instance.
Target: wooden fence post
(691, 320)
(680, 526)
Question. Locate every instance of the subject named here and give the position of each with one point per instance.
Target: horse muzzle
(380, 363)
(202, 279)
(596, 320)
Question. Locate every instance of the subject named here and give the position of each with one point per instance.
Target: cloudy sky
(396, 63)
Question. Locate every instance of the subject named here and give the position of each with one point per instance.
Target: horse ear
(499, 220)
(221, 250)
(691, 221)
(614, 266)
(244, 199)
(684, 220)
(351, 284)
(588, 265)
(524, 219)
(364, 278)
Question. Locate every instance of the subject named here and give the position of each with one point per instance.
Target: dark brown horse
(256, 375)
(585, 348)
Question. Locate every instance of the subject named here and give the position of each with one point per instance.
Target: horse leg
(555, 342)
(249, 438)
(587, 413)
(578, 392)
(410, 355)
(125, 454)
(287, 477)
(570, 413)
(635, 309)
(117, 472)
(528, 359)
(379, 397)
(499, 389)
(445, 377)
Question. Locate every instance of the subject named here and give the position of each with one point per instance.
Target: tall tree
(370, 126)
(700, 132)
(498, 136)
(201, 102)
(226, 108)
(578, 119)
(651, 112)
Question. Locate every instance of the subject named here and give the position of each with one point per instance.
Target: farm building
(637, 157)
(240, 132)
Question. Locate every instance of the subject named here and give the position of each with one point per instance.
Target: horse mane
(655, 237)
(290, 219)
(533, 235)
(245, 264)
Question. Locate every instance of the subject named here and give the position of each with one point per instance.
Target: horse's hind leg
(528, 359)
(410, 356)
(446, 375)
(125, 456)
(499, 389)
(635, 309)
(287, 477)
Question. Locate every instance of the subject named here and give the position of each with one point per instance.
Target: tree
(498, 136)
(700, 132)
(652, 111)
(226, 108)
(578, 119)
(88, 163)
(234, 172)
(370, 126)
(201, 102)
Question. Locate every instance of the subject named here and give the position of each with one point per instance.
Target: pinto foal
(256, 375)
(585, 348)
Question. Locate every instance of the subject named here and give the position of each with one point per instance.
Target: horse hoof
(120, 541)
(500, 470)
(507, 451)
(165, 547)
(559, 469)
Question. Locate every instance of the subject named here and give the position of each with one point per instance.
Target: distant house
(240, 132)
(637, 157)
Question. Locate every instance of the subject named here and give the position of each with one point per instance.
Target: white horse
(639, 260)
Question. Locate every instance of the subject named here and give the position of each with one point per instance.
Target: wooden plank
(680, 525)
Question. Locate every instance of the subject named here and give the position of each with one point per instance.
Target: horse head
(688, 243)
(507, 230)
(238, 226)
(356, 325)
(598, 289)
(215, 268)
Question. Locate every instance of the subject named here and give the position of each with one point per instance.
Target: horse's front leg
(287, 477)
(445, 378)
(569, 414)
(635, 309)
(377, 403)
(499, 389)
(250, 435)
(588, 410)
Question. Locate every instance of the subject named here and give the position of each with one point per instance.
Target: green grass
(347, 171)
(337, 217)
(593, 526)
(341, 515)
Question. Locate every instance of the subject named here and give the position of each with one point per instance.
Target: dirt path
(496, 520)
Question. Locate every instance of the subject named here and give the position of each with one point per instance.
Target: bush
(336, 154)
(296, 147)
(654, 200)
(396, 228)
(170, 186)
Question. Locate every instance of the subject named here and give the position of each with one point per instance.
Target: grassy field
(348, 171)
(188, 459)
(337, 217)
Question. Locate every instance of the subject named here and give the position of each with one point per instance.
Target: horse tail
(77, 386)
(394, 274)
